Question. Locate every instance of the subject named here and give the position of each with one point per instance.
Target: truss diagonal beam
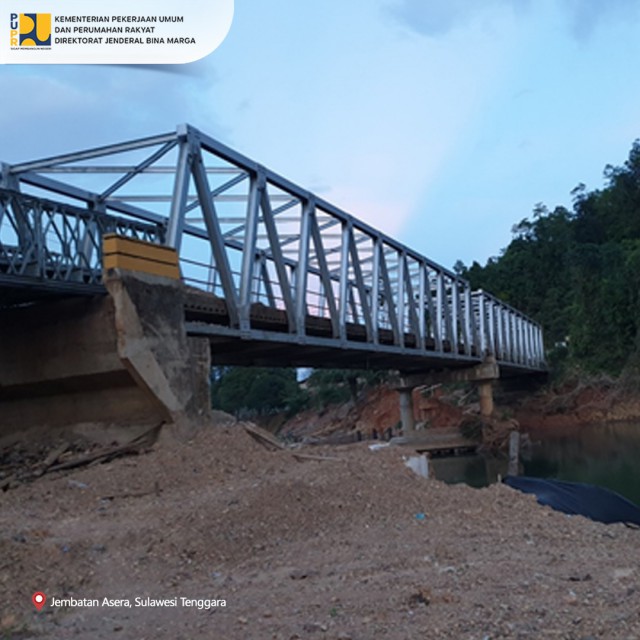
(276, 252)
(216, 240)
(138, 169)
(98, 152)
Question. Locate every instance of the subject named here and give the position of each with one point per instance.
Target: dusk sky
(443, 123)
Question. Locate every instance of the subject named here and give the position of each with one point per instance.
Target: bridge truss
(274, 262)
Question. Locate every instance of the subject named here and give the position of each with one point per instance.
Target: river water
(605, 455)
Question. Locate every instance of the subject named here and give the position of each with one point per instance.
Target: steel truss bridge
(274, 273)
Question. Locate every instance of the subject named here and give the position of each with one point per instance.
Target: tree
(255, 391)
(334, 386)
(578, 272)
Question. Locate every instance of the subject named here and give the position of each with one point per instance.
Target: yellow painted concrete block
(119, 252)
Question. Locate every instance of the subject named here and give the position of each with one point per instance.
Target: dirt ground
(353, 547)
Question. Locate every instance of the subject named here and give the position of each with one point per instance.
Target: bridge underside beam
(485, 371)
(20, 291)
(230, 348)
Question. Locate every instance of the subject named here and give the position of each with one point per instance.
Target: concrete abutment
(120, 359)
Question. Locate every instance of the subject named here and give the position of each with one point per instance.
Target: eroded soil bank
(377, 411)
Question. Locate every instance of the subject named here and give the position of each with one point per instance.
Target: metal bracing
(214, 234)
(249, 235)
(363, 290)
(423, 308)
(483, 322)
(178, 210)
(393, 311)
(413, 326)
(54, 243)
(269, 222)
(249, 255)
(302, 270)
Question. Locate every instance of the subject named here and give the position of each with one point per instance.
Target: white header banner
(113, 32)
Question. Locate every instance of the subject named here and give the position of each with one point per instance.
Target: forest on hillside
(577, 272)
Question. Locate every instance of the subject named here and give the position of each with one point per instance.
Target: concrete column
(485, 390)
(406, 411)
(514, 453)
(490, 372)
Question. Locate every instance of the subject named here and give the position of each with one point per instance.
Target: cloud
(586, 16)
(434, 19)
(81, 106)
(439, 18)
(194, 69)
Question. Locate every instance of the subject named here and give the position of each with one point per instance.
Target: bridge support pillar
(485, 391)
(484, 375)
(406, 410)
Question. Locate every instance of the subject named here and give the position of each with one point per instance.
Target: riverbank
(577, 402)
(355, 546)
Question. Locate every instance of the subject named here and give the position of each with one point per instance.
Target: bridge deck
(268, 343)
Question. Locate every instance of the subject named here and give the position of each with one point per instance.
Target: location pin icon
(38, 599)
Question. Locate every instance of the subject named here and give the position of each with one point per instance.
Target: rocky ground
(354, 546)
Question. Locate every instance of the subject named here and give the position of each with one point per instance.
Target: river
(606, 455)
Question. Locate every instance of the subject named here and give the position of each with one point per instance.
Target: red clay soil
(575, 405)
(376, 410)
(354, 548)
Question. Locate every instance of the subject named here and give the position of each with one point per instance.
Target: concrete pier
(407, 416)
(485, 391)
(484, 375)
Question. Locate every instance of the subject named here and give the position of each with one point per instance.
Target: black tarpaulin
(575, 498)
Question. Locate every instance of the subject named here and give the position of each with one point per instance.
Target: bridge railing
(506, 333)
(55, 242)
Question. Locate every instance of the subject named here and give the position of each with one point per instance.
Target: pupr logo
(30, 30)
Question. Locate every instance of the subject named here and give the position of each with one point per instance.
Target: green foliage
(327, 387)
(256, 391)
(578, 273)
(335, 386)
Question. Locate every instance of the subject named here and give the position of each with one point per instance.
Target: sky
(442, 123)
